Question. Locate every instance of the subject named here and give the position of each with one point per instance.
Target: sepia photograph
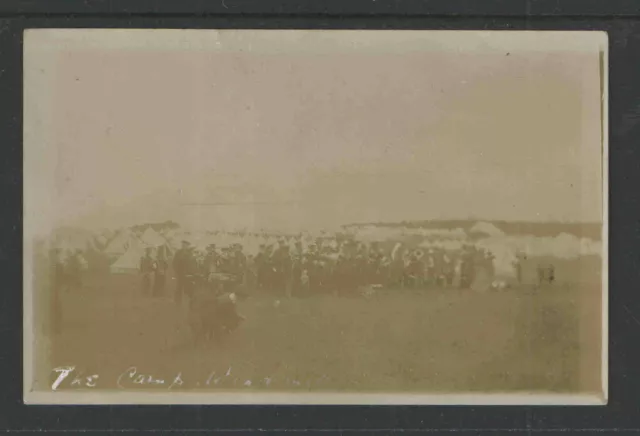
(315, 217)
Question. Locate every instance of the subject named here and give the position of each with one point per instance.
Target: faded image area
(338, 216)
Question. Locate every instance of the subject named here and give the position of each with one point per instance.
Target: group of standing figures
(292, 270)
(356, 265)
(189, 269)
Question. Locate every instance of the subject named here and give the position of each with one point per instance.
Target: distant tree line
(158, 227)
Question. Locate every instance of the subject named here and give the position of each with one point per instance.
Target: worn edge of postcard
(35, 117)
(604, 115)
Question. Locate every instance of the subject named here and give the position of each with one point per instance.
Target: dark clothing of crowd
(294, 271)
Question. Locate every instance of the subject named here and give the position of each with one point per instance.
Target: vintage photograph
(315, 217)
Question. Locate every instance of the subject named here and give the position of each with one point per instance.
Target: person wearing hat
(286, 271)
(210, 262)
(281, 267)
(430, 265)
(551, 274)
(251, 274)
(161, 265)
(240, 263)
(384, 270)
(466, 268)
(269, 268)
(224, 263)
(490, 261)
(180, 267)
(146, 269)
(296, 268)
(448, 269)
(415, 271)
(359, 275)
(517, 265)
(259, 265)
(341, 275)
(192, 268)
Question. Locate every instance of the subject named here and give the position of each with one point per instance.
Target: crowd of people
(293, 270)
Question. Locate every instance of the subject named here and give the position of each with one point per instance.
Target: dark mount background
(621, 19)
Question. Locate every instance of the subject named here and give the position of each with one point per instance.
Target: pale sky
(325, 138)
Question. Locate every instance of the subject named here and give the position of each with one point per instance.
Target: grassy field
(396, 340)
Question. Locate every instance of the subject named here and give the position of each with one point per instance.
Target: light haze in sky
(242, 137)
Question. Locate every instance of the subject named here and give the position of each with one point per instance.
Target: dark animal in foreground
(213, 317)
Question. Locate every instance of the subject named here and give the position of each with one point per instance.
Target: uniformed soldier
(448, 269)
(281, 262)
(466, 268)
(160, 273)
(147, 270)
(239, 263)
(551, 273)
(180, 266)
(517, 265)
(211, 259)
(260, 265)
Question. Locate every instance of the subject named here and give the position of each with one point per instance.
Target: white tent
(107, 234)
(505, 253)
(486, 228)
(563, 246)
(100, 240)
(120, 243)
(169, 234)
(589, 247)
(130, 261)
(152, 238)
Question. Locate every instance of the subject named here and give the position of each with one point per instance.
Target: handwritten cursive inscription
(77, 381)
(132, 378)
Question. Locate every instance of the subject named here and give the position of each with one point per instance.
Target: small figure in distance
(551, 274)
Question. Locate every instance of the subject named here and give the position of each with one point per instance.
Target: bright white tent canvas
(563, 246)
(130, 261)
(100, 240)
(486, 229)
(505, 254)
(152, 238)
(119, 244)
